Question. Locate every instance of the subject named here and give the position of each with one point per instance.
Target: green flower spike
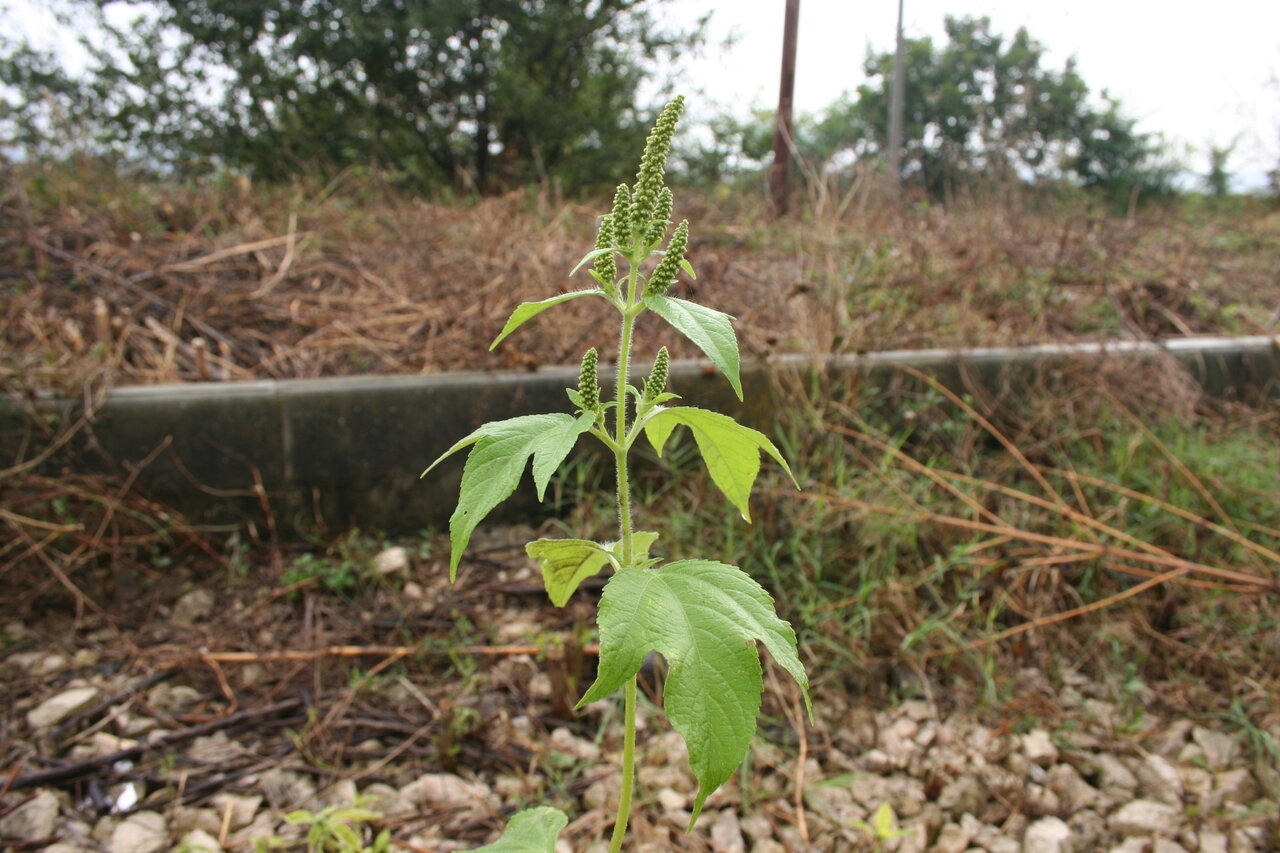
(664, 274)
(606, 265)
(661, 217)
(657, 381)
(588, 383)
(621, 216)
(653, 166)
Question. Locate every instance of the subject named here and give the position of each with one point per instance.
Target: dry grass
(200, 282)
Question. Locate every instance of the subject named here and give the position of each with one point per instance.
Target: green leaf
(591, 256)
(711, 330)
(641, 542)
(730, 450)
(495, 464)
(705, 619)
(530, 831)
(882, 820)
(566, 563)
(528, 310)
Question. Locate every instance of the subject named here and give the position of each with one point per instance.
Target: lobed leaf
(705, 618)
(530, 831)
(730, 450)
(711, 330)
(497, 460)
(527, 310)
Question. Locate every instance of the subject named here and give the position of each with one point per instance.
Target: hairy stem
(620, 421)
(620, 449)
(628, 768)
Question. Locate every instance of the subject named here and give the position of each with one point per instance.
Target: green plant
(334, 830)
(340, 570)
(704, 617)
(881, 826)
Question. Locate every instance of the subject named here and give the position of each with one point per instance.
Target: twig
(91, 765)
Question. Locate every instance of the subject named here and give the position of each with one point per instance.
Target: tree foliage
(477, 93)
(978, 107)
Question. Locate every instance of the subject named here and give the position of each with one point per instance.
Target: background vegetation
(484, 97)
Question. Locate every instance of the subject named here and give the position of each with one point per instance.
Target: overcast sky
(1201, 73)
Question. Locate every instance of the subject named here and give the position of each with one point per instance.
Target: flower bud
(606, 265)
(657, 381)
(621, 216)
(664, 274)
(653, 165)
(661, 217)
(588, 383)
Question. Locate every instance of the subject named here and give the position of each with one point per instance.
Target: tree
(982, 108)
(479, 93)
(1217, 181)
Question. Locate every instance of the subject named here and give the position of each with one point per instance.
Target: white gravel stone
(199, 841)
(241, 808)
(1212, 842)
(962, 794)
(1071, 788)
(1235, 786)
(953, 838)
(1160, 780)
(1217, 748)
(444, 789)
(755, 826)
(726, 833)
(394, 560)
(1114, 777)
(1133, 845)
(1038, 747)
(195, 606)
(1145, 817)
(33, 820)
(579, 748)
(1048, 835)
(768, 845)
(60, 706)
(672, 800)
(140, 832)
(1165, 845)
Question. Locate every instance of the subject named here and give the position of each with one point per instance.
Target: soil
(218, 703)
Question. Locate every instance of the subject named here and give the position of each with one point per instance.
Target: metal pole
(896, 96)
(780, 176)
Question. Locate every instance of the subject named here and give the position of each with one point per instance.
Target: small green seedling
(334, 830)
(704, 617)
(882, 826)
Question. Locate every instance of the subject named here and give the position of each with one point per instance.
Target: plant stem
(628, 768)
(620, 450)
(620, 420)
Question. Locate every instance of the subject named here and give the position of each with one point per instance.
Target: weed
(334, 830)
(705, 617)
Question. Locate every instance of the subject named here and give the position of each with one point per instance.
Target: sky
(1201, 74)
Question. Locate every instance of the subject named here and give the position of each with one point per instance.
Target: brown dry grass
(201, 282)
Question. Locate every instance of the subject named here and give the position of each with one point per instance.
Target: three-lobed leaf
(566, 563)
(496, 462)
(528, 310)
(705, 618)
(730, 450)
(530, 831)
(711, 330)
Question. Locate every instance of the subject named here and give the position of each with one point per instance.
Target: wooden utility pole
(780, 176)
(897, 92)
